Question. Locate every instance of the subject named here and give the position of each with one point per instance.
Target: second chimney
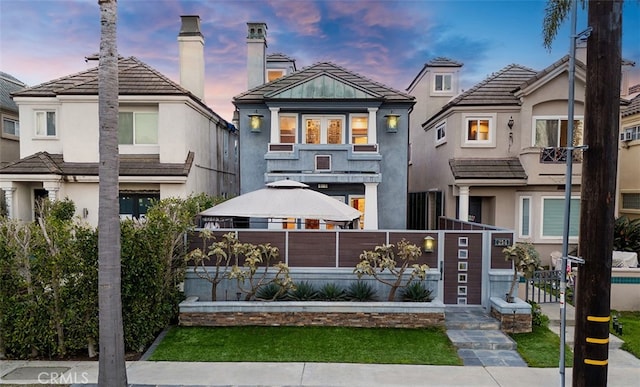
(256, 53)
(191, 47)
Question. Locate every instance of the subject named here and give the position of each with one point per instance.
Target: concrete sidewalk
(298, 374)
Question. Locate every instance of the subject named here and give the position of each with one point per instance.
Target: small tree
(255, 271)
(222, 252)
(383, 258)
(526, 260)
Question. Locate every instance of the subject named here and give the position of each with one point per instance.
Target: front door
(475, 209)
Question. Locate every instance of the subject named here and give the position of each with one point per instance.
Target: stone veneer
(312, 313)
(514, 317)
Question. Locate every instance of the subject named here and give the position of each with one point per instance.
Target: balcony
(333, 161)
(558, 155)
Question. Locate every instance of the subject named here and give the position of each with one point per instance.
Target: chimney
(256, 54)
(191, 47)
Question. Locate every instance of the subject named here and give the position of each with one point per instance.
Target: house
(495, 153)
(629, 158)
(171, 143)
(326, 126)
(9, 125)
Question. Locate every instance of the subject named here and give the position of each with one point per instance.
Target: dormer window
(442, 83)
(272, 75)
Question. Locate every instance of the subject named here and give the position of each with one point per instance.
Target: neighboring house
(335, 130)
(629, 158)
(495, 153)
(171, 143)
(9, 125)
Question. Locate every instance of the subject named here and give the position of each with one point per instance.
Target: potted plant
(526, 260)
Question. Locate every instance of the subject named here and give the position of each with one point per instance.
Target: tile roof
(134, 77)
(632, 108)
(443, 62)
(130, 165)
(262, 92)
(559, 63)
(8, 85)
(279, 57)
(487, 169)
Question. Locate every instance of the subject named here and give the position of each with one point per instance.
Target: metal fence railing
(544, 286)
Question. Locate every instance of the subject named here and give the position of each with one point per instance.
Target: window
(441, 134)
(323, 130)
(272, 75)
(630, 133)
(477, 130)
(288, 129)
(552, 132)
(359, 129)
(442, 82)
(525, 217)
(135, 205)
(45, 124)
(631, 201)
(553, 217)
(138, 128)
(10, 126)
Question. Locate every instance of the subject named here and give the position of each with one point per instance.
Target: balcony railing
(558, 155)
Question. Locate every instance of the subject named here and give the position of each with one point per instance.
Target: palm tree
(111, 369)
(602, 109)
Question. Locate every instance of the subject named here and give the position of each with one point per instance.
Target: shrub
(332, 292)
(526, 260)
(626, 235)
(271, 292)
(360, 291)
(416, 292)
(538, 319)
(303, 291)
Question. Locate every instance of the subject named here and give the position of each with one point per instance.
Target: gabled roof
(8, 85)
(134, 77)
(324, 80)
(632, 108)
(279, 57)
(443, 62)
(497, 89)
(130, 165)
(549, 69)
(487, 169)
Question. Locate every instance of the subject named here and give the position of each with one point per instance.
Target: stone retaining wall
(340, 314)
(514, 317)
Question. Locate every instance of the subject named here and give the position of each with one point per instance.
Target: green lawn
(308, 344)
(630, 331)
(541, 348)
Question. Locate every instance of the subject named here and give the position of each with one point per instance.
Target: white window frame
(572, 238)
(359, 115)
(552, 117)
(36, 123)
(295, 118)
(441, 133)
(134, 112)
(488, 143)
(521, 214)
(444, 76)
(324, 127)
(16, 125)
(282, 73)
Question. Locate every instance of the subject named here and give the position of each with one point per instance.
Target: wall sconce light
(392, 122)
(510, 123)
(255, 122)
(428, 244)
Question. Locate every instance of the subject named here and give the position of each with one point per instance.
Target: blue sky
(385, 40)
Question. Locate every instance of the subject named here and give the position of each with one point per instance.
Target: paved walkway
(623, 371)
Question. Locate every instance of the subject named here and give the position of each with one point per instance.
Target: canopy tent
(285, 199)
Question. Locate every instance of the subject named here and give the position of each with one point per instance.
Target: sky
(388, 41)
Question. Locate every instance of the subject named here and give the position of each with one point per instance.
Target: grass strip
(308, 344)
(541, 348)
(630, 331)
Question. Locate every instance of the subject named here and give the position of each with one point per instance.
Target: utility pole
(598, 196)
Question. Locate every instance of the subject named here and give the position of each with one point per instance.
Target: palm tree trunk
(111, 369)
